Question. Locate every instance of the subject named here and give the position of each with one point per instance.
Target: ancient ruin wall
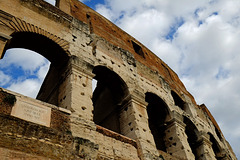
(139, 110)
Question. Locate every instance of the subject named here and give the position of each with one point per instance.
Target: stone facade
(139, 109)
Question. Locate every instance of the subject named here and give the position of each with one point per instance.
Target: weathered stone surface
(139, 109)
(29, 112)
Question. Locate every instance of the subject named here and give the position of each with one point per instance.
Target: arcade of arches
(139, 108)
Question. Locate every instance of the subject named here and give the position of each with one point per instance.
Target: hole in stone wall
(36, 65)
(218, 133)
(138, 49)
(108, 98)
(191, 132)
(215, 146)
(157, 113)
(177, 100)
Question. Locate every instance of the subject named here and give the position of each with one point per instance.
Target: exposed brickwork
(6, 102)
(60, 121)
(119, 137)
(139, 109)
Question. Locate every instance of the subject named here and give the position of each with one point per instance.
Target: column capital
(80, 66)
(203, 138)
(177, 119)
(138, 97)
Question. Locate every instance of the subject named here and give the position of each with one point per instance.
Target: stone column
(176, 139)
(134, 124)
(204, 150)
(75, 94)
(3, 40)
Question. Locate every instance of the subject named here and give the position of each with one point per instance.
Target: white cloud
(42, 72)
(26, 59)
(32, 67)
(28, 87)
(4, 79)
(203, 48)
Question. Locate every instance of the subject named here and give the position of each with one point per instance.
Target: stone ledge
(116, 136)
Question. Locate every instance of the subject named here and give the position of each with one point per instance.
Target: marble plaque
(33, 113)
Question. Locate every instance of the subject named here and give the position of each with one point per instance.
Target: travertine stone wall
(82, 46)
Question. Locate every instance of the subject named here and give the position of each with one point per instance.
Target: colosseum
(139, 109)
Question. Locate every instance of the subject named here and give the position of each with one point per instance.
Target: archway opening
(157, 114)
(177, 100)
(23, 71)
(218, 133)
(36, 43)
(215, 147)
(108, 98)
(191, 132)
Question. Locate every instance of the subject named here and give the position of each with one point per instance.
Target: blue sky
(198, 39)
(23, 74)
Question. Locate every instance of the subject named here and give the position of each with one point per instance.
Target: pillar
(176, 138)
(134, 124)
(75, 94)
(204, 150)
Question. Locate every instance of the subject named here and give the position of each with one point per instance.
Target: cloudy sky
(198, 39)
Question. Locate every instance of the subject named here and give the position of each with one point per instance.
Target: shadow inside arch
(109, 97)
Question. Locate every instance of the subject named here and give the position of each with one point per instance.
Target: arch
(216, 147)
(218, 132)
(158, 112)
(178, 100)
(51, 51)
(20, 26)
(108, 98)
(40, 44)
(192, 135)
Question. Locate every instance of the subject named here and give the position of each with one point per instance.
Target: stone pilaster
(76, 95)
(3, 40)
(176, 139)
(76, 90)
(204, 150)
(134, 124)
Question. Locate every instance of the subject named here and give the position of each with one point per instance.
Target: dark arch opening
(108, 98)
(51, 51)
(177, 100)
(191, 132)
(218, 133)
(157, 114)
(40, 44)
(215, 147)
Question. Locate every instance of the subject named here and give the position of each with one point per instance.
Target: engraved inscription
(33, 113)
